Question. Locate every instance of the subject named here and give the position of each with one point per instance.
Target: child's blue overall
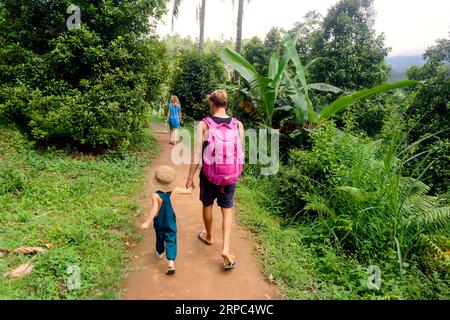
(165, 224)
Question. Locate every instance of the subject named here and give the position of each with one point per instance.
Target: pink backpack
(223, 157)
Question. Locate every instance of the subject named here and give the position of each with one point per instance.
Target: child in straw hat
(163, 215)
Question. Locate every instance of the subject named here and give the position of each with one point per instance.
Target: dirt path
(199, 274)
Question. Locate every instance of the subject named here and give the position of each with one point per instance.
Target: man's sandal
(201, 237)
(228, 266)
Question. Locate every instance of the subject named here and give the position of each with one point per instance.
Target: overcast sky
(410, 25)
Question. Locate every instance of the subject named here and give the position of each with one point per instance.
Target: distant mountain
(399, 65)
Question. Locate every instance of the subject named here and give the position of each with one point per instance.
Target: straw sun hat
(164, 179)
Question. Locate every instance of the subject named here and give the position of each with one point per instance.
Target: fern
(413, 186)
(318, 204)
(438, 218)
(356, 193)
(430, 242)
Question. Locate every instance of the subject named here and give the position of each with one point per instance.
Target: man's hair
(219, 98)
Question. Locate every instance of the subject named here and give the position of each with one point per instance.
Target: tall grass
(80, 204)
(349, 193)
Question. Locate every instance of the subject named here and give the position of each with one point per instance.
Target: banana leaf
(345, 101)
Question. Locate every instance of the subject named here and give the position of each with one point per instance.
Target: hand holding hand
(145, 225)
(190, 183)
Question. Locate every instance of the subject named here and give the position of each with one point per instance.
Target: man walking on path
(216, 187)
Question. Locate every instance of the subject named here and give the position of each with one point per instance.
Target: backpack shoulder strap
(234, 122)
(209, 122)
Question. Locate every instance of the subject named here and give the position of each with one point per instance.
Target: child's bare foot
(228, 261)
(159, 256)
(203, 237)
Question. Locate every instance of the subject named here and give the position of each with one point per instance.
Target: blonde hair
(219, 98)
(174, 100)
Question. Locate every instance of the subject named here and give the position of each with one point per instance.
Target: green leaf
(281, 67)
(273, 65)
(345, 101)
(324, 87)
(297, 97)
(290, 47)
(259, 85)
(284, 108)
(240, 64)
(311, 63)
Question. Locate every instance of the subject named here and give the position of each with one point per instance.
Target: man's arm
(152, 213)
(197, 155)
(241, 131)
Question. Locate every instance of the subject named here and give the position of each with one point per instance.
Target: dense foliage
(88, 86)
(352, 55)
(80, 205)
(371, 189)
(195, 76)
(350, 193)
(364, 174)
(429, 117)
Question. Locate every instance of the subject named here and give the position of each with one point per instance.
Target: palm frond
(175, 11)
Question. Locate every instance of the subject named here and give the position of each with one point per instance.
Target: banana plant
(265, 89)
(299, 91)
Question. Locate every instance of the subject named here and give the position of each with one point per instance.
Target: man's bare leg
(208, 221)
(227, 224)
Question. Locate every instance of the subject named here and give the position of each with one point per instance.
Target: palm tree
(175, 10)
(239, 32)
(200, 16)
(239, 25)
(201, 41)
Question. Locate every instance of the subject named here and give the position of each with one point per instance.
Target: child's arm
(152, 213)
(183, 190)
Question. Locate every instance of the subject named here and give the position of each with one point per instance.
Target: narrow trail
(199, 273)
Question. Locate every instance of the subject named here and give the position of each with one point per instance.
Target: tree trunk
(239, 34)
(201, 41)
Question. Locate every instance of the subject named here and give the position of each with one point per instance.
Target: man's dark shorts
(209, 192)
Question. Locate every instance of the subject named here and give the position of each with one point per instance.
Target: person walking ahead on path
(218, 176)
(163, 215)
(174, 119)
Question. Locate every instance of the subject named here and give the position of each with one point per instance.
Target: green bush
(429, 113)
(11, 178)
(90, 86)
(354, 190)
(195, 76)
(352, 206)
(370, 116)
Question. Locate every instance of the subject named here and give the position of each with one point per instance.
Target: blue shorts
(210, 192)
